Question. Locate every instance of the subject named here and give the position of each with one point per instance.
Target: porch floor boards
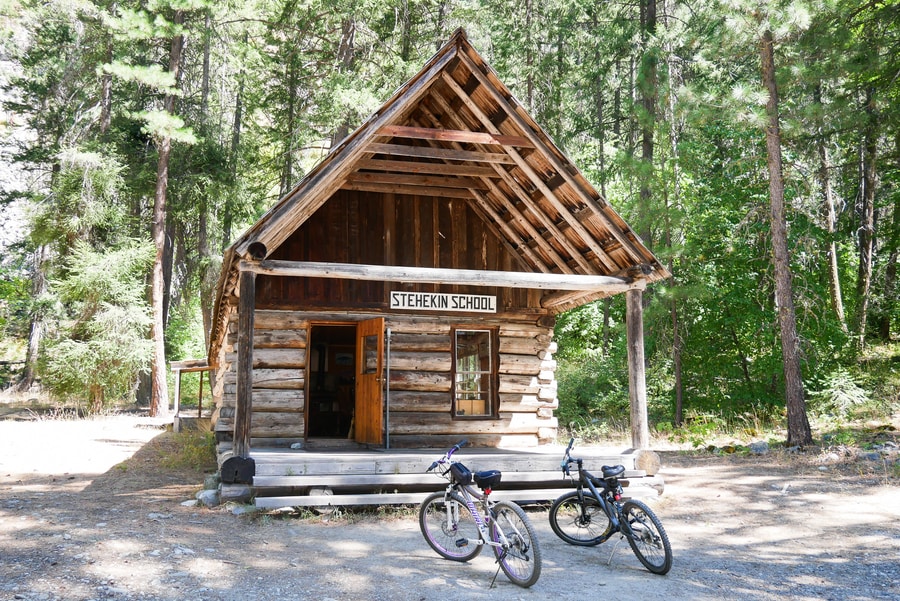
(342, 477)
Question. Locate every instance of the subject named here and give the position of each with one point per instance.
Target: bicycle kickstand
(615, 546)
(499, 559)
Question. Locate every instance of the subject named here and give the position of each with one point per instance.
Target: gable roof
(455, 131)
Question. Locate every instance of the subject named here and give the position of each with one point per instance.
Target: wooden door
(369, 417)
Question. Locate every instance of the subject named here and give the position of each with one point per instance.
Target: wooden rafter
(425, 168)
(431, 181)
(497, 197)
(450, 135)
(533, 176)
(429, 152)
(551, 156)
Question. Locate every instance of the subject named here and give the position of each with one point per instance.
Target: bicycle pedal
(462, 542)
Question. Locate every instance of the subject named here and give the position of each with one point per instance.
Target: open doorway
(331, 389)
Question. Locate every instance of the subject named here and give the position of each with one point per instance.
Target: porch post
(244, 403)
(637, 384)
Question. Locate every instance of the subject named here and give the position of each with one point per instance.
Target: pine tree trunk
(159, 399)
(799, 432)
(36, 332)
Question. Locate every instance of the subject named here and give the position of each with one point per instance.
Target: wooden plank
(336, 481)
(279, 338)
(436, 362)
(273, 378)
(448, 135)
(416, 498)
(270, 319)
(409, 189)
(432, 181)
(420, 167)
(428, 152)
(277, 358)
(425, 382)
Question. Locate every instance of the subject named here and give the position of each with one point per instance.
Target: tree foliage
(664, 114)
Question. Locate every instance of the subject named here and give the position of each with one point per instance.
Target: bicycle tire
(456, 541)
(521, 561)
(579, 520)
(647, 537)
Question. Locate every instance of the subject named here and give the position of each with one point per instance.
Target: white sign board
(435, 301)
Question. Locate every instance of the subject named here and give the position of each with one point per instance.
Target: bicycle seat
(487, 479)
(613, 471)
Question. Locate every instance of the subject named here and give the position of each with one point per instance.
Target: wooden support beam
(398, 179)
(244, 408)
(422, 167)
(637, 384)
(427, 275)
(428, 152)
(452, 135)
(410, 189)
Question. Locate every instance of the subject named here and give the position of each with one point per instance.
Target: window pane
(472, 380)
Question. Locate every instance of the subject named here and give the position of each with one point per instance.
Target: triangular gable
(455, 131)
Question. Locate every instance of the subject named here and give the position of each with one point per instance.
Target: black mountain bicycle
(454, 527)
(595, 511)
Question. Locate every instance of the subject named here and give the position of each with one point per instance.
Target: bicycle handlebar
(567, 458)
(446, 457)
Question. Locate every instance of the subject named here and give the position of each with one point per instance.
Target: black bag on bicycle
(460, 474)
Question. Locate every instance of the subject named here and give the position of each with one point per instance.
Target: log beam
(426, 275)
(244, 408)
(637, 384)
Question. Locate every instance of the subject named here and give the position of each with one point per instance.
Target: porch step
(348, 490)
(337, 481)
(414, 498)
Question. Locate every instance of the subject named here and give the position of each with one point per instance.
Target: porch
(326, 475)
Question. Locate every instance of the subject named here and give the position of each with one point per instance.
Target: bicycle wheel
(521, 561)
(579, 521)
(647, 537)
(449, 528)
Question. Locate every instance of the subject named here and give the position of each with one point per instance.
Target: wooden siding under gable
(420, 398)
(386, 229)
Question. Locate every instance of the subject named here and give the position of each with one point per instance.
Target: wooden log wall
(420, 381)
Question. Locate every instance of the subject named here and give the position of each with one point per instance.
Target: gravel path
(87, 512)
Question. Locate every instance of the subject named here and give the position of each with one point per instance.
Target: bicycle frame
(585, 478)
(470, 495)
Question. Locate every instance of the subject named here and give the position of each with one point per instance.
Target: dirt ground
(88, 512)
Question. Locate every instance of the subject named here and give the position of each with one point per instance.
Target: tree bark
(159, 399)
(36, 332)
(799, 432)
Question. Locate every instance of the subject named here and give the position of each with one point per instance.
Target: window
(474, 373)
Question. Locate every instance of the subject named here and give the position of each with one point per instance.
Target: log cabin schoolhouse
(403, 295)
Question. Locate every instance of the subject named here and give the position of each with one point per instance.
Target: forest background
(139, 138)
